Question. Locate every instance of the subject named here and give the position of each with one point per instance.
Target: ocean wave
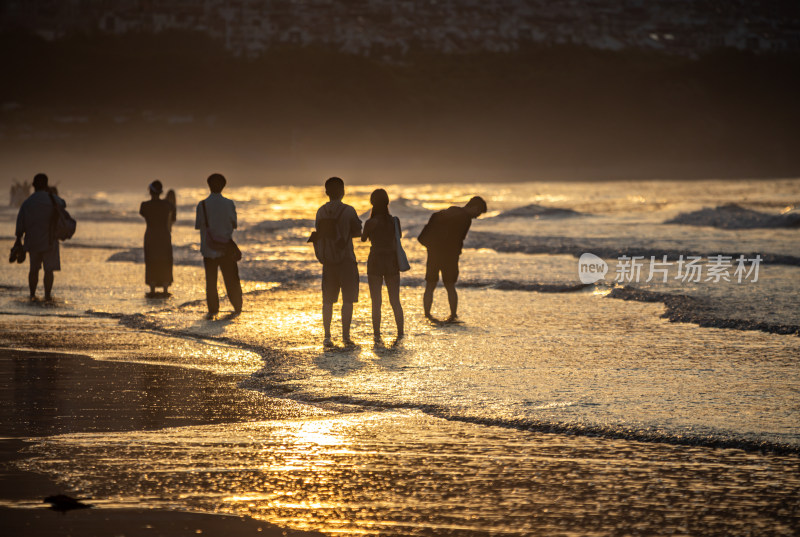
(702, 311)
(261, 382)
(500, 285)
(604, 248)
(181, 255)
(688, 309)
(538, 287)
(276, 384)
(124, 217)
(98, 200)
(733, 216)
(90, 246)
(140, 321)
(270, 226)
(404, 208)
(281, 271)
(107, 216)
(679, 308)
(538, 211)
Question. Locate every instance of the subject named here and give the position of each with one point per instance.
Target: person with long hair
(158, 214)
(382, 263)
(172, 199)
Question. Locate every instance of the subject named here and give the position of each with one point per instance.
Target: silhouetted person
(443, 236)
(220, 213)
(158, 214)
(337, 223)
(34, 222)
(382, 263)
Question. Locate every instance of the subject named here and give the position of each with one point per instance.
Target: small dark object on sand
(63, 503)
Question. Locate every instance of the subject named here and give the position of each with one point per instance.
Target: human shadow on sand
(340, 361)
(157, 295)
(393, 355)
(448, 323)
(215, 326)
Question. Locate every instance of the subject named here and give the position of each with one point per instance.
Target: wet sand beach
(148, 431)
(45, 393)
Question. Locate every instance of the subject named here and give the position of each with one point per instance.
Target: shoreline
(376, 459)
(227, 332)
(79, 407)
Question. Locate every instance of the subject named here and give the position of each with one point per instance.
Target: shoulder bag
(402, 258)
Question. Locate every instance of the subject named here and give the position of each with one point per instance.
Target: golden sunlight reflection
(405, 473)
(249, 286)
(327, 432)
(544, 402)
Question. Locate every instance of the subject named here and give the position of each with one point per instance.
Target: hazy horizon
(92, 109)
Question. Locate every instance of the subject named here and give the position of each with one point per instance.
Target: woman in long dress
(159, 215)
(382, 264)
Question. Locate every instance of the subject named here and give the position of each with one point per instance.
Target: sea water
(696, 372)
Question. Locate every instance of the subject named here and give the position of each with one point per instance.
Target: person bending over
(443, 236)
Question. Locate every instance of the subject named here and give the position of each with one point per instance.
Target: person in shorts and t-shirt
(34, 222)
(443, 236)
(341, 274)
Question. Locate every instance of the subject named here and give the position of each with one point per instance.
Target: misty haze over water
(93, 107)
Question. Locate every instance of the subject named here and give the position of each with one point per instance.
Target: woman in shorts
(382, 265)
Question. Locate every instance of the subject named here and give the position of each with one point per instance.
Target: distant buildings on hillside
(388, 29)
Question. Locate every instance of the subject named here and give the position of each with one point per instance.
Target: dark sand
(47, 393)
(132, 523)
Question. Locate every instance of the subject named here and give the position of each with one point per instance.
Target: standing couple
(337, 224)
(215, 219)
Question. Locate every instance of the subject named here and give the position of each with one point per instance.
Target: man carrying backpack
(336, 225)
(35, 222)
(443, 236)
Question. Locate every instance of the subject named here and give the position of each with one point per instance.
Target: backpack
(329, 245)
(431, 234)
(62, 225)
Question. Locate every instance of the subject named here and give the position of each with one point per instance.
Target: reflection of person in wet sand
(158, 214)
(34, 222)
(382, 263)
(443, 236)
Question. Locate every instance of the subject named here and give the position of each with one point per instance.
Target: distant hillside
(180, 101)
